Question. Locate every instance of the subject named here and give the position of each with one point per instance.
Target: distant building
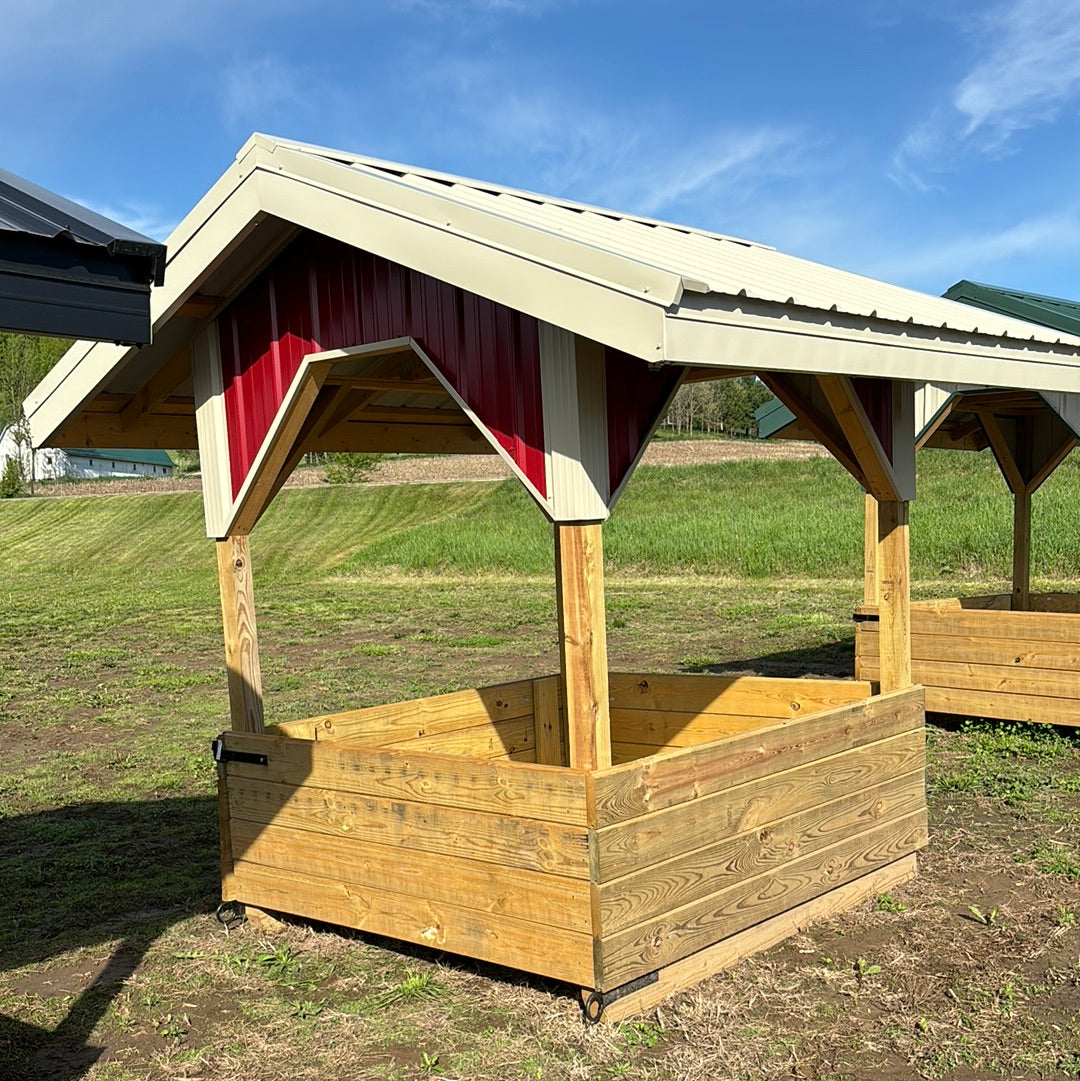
(87, 463)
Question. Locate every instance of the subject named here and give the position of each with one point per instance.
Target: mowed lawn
(112, 686)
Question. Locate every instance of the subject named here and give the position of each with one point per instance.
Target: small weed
(305, 1010)
(415, 987)
(642, 1033)
(887, 903)
(1066, 917)
(430, 1061)
(863, 969)
(619, 1069)
(278, 963)
(987, 919)
(172, 1027)
(1053, 860)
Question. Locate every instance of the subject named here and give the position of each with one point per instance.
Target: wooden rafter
(943, 414)
(815, 420)
(866, 448)
(157, 389)
(1056, 456)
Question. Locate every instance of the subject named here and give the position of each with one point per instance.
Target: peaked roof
(662, 292)
(69, 271)
(1048, 311)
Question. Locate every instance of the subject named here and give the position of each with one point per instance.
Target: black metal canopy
(67, 271)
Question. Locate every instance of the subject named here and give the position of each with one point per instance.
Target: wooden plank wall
(491, 723)
(653, 713)
(977, 658)
(702, 843)
(487, 859)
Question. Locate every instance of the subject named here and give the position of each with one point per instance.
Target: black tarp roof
(68, 271)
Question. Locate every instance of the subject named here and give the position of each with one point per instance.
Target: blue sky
(919, 142)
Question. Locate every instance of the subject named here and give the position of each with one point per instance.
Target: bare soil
(466, 467)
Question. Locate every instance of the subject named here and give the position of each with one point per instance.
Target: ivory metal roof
(663, 292)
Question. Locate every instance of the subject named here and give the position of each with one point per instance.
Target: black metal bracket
(230, 914)
(865, 617)
(223, 754)
(598, 1001)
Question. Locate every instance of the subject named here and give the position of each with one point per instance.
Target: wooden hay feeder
(1012, 656)
(626, 833)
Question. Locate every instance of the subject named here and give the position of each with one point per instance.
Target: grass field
(111, 688)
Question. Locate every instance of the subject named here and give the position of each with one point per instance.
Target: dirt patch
(456, 468)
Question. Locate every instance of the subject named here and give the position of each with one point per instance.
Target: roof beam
(159, 387)
(874, 464)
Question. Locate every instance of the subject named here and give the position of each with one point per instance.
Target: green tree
(24, 361)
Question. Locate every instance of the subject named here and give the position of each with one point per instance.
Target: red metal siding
(635, 395)
(876, 396)
(321, 294)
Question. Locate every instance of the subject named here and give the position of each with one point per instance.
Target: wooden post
(579, 562)
(894, 600)
(870, 539)
(1021, 572)
(241, 641)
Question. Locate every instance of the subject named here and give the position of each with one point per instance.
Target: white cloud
(1026, 70)
(981, 254)
(143, 217)
(255, 89)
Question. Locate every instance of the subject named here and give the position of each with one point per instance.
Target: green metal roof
(141, 457)
(771, 416)
(1048, 311)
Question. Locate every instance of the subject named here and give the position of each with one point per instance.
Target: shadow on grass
(113, 875)
(835, 660)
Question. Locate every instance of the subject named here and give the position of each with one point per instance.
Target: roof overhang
(69, 272)
(665, 294)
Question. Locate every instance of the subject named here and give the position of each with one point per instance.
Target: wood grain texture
(1021, 563)
(236, 587)
(550, 722)
(495, 739)
(496, 839)
(545, 793)
(894, 596)
(547, 951)
(579, 560)
(657, 889)
(553, 900)
(634, 789)
(749, 696)
(381, 725)
(762, 936)
(628, 847)
(647, 947)
(870, 527)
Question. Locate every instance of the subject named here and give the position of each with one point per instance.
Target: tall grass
(752, 519)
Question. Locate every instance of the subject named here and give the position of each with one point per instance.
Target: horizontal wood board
(547, 793)
(1022, 666)
(643, 948)
(638, 788)
(548, 951)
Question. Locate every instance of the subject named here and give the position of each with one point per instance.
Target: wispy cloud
(982, 254)
(256, 89)
(143, 217)
(1026, 70)
(468, 8)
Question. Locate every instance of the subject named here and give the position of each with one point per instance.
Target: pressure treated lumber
(762, 936)
(1021, 567)
(549, 721)
(579, 559)
(241, 640)
(893, 585)
(870, 534)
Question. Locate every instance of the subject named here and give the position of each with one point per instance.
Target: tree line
(718, 407)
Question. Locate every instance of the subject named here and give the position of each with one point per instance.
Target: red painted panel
(320, 294)
(636, 394)
(876, 396)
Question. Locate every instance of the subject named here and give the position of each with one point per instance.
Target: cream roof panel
(663, 292)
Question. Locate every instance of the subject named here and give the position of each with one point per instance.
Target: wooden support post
(241, 641)
(894, 599)
(870, 538)
(1021, 570)
(579, 561)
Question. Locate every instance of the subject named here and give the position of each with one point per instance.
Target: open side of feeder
(625, 833)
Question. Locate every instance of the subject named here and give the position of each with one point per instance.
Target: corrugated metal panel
(636, 395)
(706, 262)
(320, 294)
